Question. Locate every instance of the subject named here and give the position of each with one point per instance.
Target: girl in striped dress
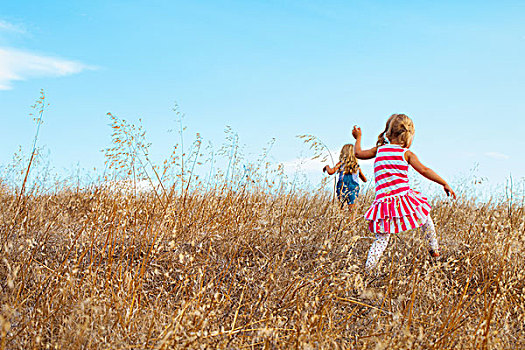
(347, 187)
(397, 207)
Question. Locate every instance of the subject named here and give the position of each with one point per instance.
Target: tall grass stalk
(39, 107)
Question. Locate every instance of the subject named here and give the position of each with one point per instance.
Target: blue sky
(270, 69)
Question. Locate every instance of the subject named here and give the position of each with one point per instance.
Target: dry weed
(247, 266)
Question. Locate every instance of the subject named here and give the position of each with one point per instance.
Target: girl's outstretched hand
(356, 132)
(449, 191)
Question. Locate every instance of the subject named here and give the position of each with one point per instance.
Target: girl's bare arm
(331, 171)
(430, 174)
(361, 175)
(361, 153)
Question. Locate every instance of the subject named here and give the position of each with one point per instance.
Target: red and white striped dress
(397, 207)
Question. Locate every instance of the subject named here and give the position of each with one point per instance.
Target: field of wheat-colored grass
(243, 269)
(244, 262)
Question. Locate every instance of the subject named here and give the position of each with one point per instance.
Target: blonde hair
(348, 159)
(399, 129)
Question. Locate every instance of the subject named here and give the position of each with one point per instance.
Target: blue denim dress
(347, 187)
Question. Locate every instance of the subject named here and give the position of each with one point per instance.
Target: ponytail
(381, 140)
(392, 128)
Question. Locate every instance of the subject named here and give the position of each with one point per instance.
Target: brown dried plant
(247, 266)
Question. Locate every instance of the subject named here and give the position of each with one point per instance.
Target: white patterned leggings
(381, 242)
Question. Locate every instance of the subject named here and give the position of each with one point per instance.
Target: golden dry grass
(253, 263)
(243, 269)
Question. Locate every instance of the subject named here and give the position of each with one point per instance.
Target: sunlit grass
(242, 264)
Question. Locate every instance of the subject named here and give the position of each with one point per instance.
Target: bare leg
(376, 250)
(430, 234)
(352, 209)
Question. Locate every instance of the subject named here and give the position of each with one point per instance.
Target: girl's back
(354, 177)
(348, 173)
(391, 171)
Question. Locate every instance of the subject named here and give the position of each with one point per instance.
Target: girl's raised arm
(430, 174)
(360, 153)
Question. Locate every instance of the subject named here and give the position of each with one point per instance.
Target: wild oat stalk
(129, 155)
(39, 106)
(319, 148)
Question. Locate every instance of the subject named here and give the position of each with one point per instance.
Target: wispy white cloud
(497, 155)
(22, 65)
(306, 165)
(10, 27)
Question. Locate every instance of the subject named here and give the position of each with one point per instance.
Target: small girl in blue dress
(349, 172)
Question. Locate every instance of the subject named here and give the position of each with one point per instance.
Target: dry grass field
(246, 264)
(243, 269)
